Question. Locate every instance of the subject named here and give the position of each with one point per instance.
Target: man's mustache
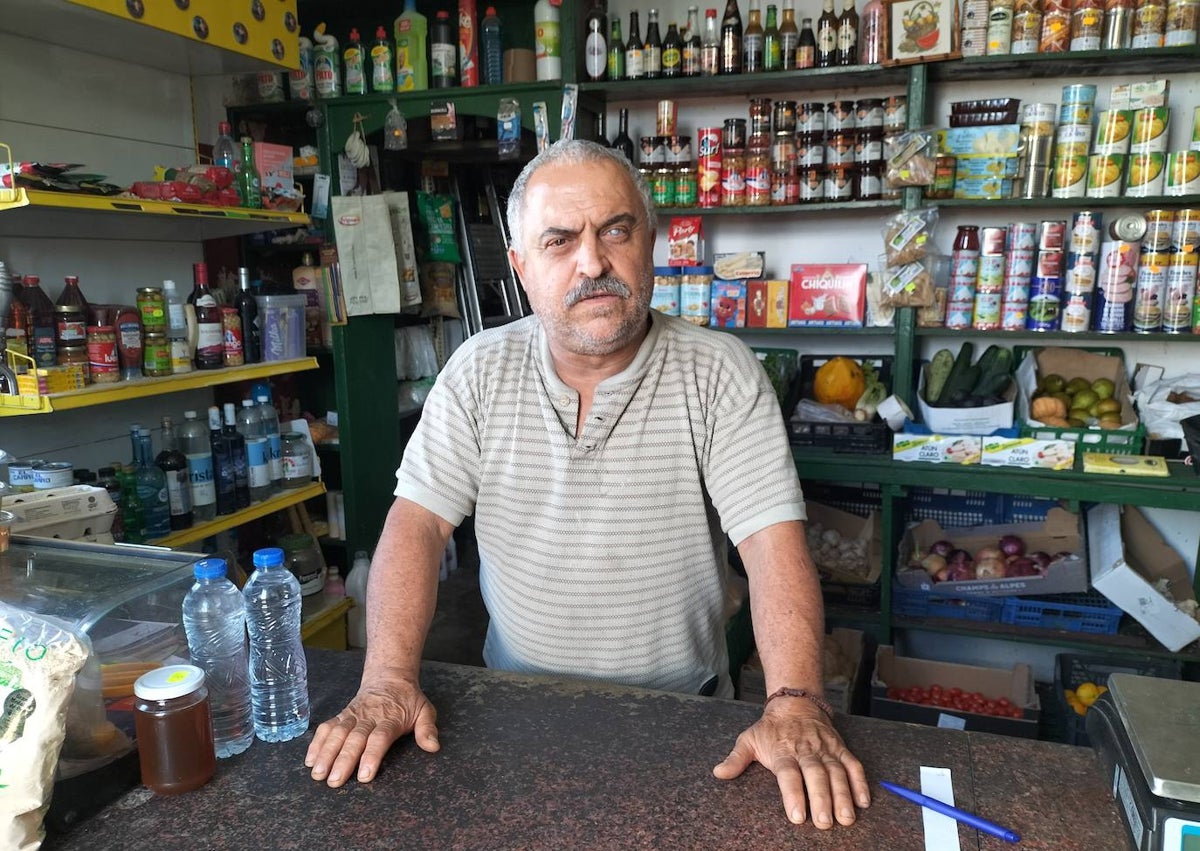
(608, 285)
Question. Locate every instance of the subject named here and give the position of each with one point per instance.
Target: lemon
(1086, 693)
(1103, 388)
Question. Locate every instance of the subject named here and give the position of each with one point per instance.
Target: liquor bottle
(652, 50)
(731, 39)
(224, 472)
(236, 447)
(601, 138)
(443, 52)
(595, 47)
(17, 331)
(174, 465)
(623, 143)
(789, 36)
(847, 47)
(710, 46)
(635, 67)
(616, 51)
(197, 449)
(752, 42)
(41, 329)
(355, 58)
(772, 51)
(806, 47)
(249, 185)
(71, 294)
(672, 53)
(691, 62)
(827, 36)
(210, 342)
(247, 308)
(870, 33)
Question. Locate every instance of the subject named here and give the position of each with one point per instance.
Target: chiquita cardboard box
(827, 295)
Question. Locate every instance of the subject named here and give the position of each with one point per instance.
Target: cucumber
(995, 370)
(962, 376)
(939, 371)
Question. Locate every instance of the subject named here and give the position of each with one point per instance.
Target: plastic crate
(956, 507)
(1028, 509)
(1090, 612)
(908, 603)
(1071, 669)
(860, 499)
(848, 594)
(870, 438)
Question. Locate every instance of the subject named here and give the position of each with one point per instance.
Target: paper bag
(406, 252)
(367, 254)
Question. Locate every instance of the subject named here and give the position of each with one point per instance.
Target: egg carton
(58, 504)
(93, 527)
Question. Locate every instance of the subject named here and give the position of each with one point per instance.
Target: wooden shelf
(229, 521)
(1071, 65)
(121, 391)
(732, 85)
(1114, 339)
(1155, 201)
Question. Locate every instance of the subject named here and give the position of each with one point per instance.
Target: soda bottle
(249, 185)
(616, 51)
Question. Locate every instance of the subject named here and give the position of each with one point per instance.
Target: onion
(989, 554)
(943, 574)
(1011, 545)
(942, 548)
(932, 563)
(959, 557)
(961, 572)
(1040, 558)
(989, 568)
(1062, 554)
(1021, 566)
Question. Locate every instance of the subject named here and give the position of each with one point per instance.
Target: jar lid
(697, 270)
(168, 681)
(296, 542)
(100, 329)
(67, 308)
(668, 270)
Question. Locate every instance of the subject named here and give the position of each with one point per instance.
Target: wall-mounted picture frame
(921, 31)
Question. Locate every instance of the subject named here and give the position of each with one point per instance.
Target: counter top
(530, 762)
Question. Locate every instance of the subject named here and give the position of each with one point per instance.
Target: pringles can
(708, 167)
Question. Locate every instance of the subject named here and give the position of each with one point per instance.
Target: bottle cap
(168, 681)
(209, 568)
(269, 557)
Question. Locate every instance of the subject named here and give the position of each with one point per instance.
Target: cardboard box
(1072, 363)
(972, 166)
(740, 264)
(69, 503)
(898, 672)
(845, 673)
(982, 420)
(274, 164)
(983, 188)
(994, 139)
(777, 303)
(827, 295)
(850, 527)
(756, 304)
(1128, 557)
(728, 302)
(1061, 531)
(936, 448)
(1028, 453)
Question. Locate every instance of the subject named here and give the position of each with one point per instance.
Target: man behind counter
(606, 452)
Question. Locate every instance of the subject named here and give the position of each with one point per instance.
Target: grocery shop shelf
(779, 209)
(229, 521)
(799, 82)
(1113, 339)
(35, 213)
(1075, 203)
(121, 391)
(814, 330)
(1072, 65)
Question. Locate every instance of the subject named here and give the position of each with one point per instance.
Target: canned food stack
(975, 27)
(1183, 167)
(1020, 252)
(964, 271)
(1026, 27)
(810, 150)
(840, 122)
(1045, 287)
(1148, 151)
(1074, 135)
(1165, 293)
(989, 284)
(1079, 280)
(1037, 150)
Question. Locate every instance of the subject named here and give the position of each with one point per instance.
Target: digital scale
(1146, 732)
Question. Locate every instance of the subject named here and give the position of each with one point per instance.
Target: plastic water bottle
(278, 668)
(258, 451)
(215, 622)
(356, 589)
(270, 430)
(493, 48)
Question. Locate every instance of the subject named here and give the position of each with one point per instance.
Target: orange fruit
(1087, 693)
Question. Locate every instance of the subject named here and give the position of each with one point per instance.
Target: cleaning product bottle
(468, 43)
(443, 52)
(546, 38)
(327, 65)
(355, 57)
(300, 81)
(383, 78)
(412, 68)
(356, 589)
(493, 47)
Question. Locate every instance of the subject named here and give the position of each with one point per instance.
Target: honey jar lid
(168, 681)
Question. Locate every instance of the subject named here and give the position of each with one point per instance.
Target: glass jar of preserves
(687, 185)
(296, 459)
(74, 355)
(760, 115)
(102, 354)
(156, 355)
(173, 720)
(152, 306)
(304, 561)
(662, 186)
(70, 325)
(758, 171)
(734, 134)
(733, 178)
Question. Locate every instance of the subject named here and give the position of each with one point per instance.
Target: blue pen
(954, 812)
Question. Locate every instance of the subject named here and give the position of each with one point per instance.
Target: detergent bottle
(327, 64)
(412, 64)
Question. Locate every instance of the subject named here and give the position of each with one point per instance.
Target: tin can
(1086, 230)
(1117, 271)
(1013, 316)
(1183, 173)
(708, 167)
(1195, 143)
(156, 355)
(666, 119)
(1148, 293)
(733, 178)
(1149, 24)
(1180, 293)
(1021, 236)
(1182, 19)
(1128, 228)
(1185, 232)
(53, 474)
(1157, 236)
(1114, 131)
(231, 328)
(783, 116)
(1078, 93)
(1052, 235)
(868, 113)
(1018, 268)
(152, 306)
(839, 147)
(840, 115)
(1026, 34)
(1146, 173)
(810, 118)
(1150, 126)
(1045, 294)
(1072, 139)
(986, 314)
(868, 146)
(1039, 117)
(20, 475)
(1104, 175)
(840, 183)
(1080, 276)
(895, 112)
(1118, 28)
(964, 272)
(1069, 178)
(733, 135)
(1077, 312)
(812, 183)
(992, 240)
(686, 186)
(959, 315)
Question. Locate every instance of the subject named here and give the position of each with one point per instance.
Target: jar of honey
(173, 721)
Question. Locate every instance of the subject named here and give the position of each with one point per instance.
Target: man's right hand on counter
(386, 708)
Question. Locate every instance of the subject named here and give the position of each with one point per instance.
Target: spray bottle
(300, 81)
(327, 64)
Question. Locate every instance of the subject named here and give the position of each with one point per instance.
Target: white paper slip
(941, 832)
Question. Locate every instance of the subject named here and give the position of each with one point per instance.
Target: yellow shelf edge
(230, 521)
(123, 391)
(325, 617)
(115, 204)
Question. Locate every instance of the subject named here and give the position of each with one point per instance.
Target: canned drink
(1180, 293)
(1150, 126)
(840, 115)
(811, 183)
(1148, 293)
(20, 475)
(1077, 312)
(1104, 175)
(1114, 131)
(1118, 28)
(895, 112)
(1080, 276)
(1045, 293)
(783, 116)
(1146, 173)
(810, 118)
(1185, 232)
(667, 115)
(53, 474)
(986, 314)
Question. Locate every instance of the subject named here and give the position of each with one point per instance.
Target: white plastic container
(281, 326)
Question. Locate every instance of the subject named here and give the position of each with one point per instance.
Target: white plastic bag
(1159, 413)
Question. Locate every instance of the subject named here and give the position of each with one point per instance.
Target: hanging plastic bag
(908, 235)
(1163, 404)
(914, 160)
(437, 215)
(395, 129)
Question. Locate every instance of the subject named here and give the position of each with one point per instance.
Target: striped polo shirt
(603, 556)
